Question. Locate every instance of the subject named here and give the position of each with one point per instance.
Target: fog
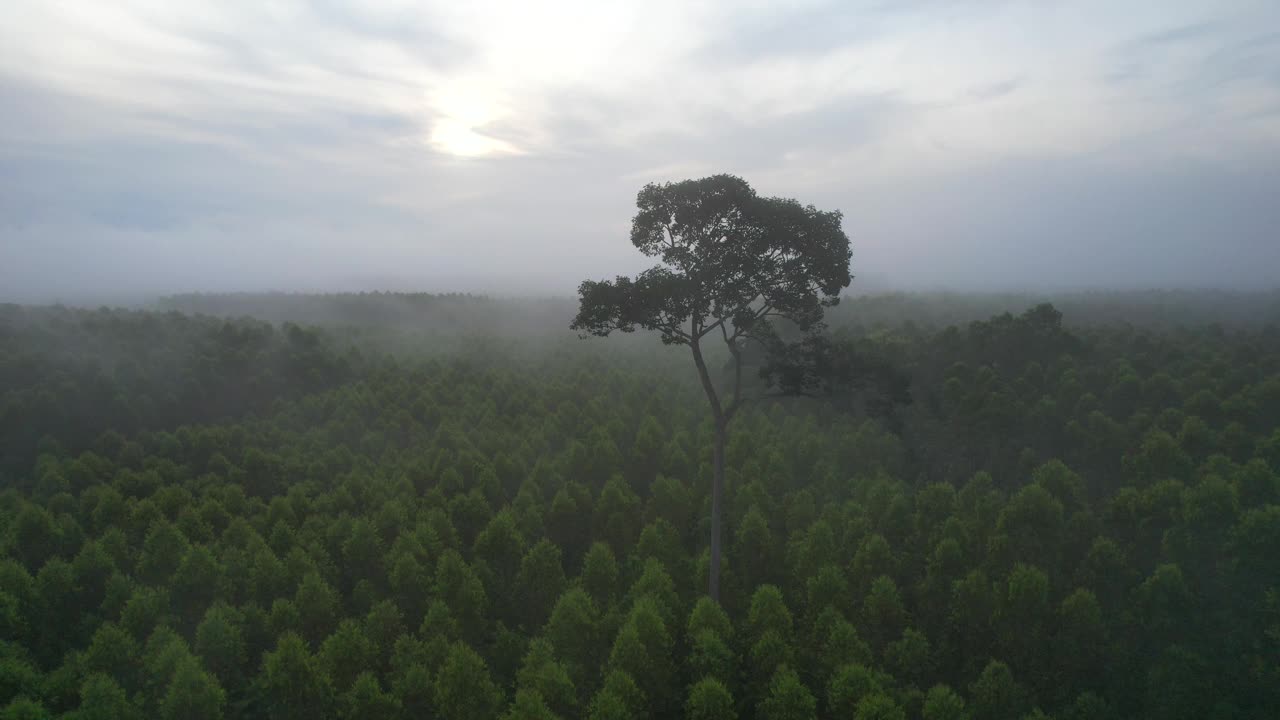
(149, 148)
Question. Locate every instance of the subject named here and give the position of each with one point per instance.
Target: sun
(456, 138)
(462, 112)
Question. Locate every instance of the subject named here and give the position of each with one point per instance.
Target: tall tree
(731, 263)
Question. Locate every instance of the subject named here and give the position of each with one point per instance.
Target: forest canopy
(328, 506)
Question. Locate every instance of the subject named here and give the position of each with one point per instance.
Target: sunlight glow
(456, 138)
(464, 111)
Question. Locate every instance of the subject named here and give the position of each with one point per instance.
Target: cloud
(282, 144)
(994, 91)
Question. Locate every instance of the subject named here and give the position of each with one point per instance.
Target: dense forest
(384, 506)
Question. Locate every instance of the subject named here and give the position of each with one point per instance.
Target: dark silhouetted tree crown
(730, 259)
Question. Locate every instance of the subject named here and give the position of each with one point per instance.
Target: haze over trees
(211, 517)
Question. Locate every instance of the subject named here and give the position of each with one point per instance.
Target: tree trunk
(717, 508)
(717, 470)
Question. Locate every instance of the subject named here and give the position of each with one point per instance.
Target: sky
(160, 146)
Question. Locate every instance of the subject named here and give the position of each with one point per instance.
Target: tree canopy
(1072, 519)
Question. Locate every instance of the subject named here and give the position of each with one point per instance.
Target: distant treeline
(524, 317)
(67, 375)
(1149, 309)
(448, 313)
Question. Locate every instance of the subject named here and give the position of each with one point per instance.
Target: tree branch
(675, 331)
(737, 381)
(763, 312)
(707, 386)
(725, 317)
(717, 324)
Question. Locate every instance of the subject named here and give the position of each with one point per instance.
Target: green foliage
(712, 656)
(462, 591)
(220, 642)
(609, 706)
(600, 573)
(909, 657)
(102, 699)
(879, 706)
(366, 699)
(942, 703)
(114, 652)
(23, 708)
(317, 606)
(995, 694)
(193, 693)
(346, 654)
(621, 685)
(414, 689)
(228, 519)
(850, 685)
(788, 698)
(655, 584)
(709, 616)
(541, 581)
(292, 684)
(768, 613)
(546, 677)
(834, 642)
(709, 699)
(882, 611)
(529, 705)
(643, 650)
(464, 688)
(574, 632)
